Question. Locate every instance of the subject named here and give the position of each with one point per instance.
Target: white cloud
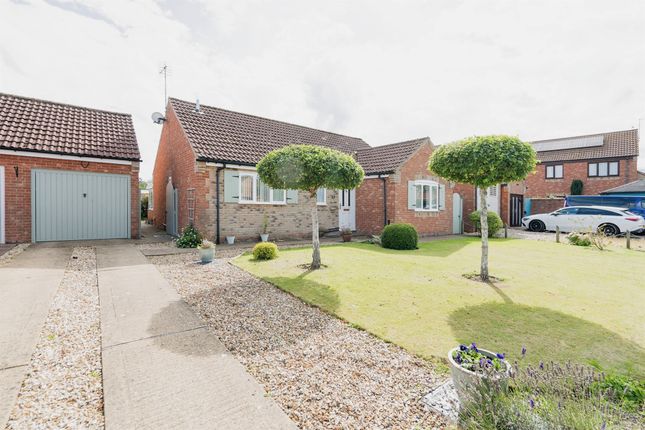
(382, 70)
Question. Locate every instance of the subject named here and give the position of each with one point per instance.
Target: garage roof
(388, 158)
(28, 124)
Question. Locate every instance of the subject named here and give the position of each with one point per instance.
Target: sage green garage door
(78, 206)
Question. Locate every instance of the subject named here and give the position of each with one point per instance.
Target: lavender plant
(555, 396)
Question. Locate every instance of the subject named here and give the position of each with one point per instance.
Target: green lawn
(562, 302)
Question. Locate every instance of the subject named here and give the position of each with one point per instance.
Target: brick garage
(54, 137)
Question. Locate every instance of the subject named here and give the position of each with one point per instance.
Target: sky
(385, 71)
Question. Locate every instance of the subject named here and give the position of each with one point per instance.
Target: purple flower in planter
(482, 362)
(463, 347)
(473, 346)
(458, 358)
(532, 403)
(603, 426)
(523, 351)
(541, 365)
(501, 355)
(489, 362)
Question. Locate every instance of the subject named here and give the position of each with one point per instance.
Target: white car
(610, 220)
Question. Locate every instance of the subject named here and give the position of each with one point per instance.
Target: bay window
(253, 190)
(427, 196)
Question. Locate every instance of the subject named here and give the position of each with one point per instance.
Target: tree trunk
(315, 241)
(483, 221)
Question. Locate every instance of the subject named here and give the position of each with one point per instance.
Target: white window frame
(554, 171)
(255, 201)
(324, 195)
(431, 184)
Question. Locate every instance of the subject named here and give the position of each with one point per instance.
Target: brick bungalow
(66, 172)
(204, 174)
(600, 161)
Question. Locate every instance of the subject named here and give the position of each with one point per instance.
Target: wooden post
(629, 238)
(557, 234)
(505, 231)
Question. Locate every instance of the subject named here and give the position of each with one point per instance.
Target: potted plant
(346, 234)
(206, 251)
(469, 365)
(230, 240)
(265, 224)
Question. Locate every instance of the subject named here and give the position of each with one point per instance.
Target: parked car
(609, 220)
(634, 204)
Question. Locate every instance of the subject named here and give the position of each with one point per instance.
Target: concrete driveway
(162, 368)
(27, 286)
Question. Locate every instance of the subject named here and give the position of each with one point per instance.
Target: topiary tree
(308, 168)
(399, 236)
(484, 161)
(576, 187)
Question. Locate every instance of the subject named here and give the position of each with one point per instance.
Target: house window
(321, 196)
(427, 196)
(190, 197)
(253, 190)
(555, 171)
(604, 168)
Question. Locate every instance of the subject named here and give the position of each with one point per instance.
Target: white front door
(2, 205)
(457, 209)
(347, 209)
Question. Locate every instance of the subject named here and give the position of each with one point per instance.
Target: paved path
(162, 369)
(27, 287)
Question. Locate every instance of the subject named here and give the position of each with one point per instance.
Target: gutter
(384, 179)
(217, 204)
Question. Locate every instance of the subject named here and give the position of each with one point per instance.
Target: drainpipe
(384, 179)
(217, 224)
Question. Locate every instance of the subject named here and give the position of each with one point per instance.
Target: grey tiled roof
(633, 187)
(614, 144)
(387, 158)
(28, 124)
(225, 136)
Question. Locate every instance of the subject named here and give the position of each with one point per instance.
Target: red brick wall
(541, 206)
(540, 187)
(176, 159)
(369, 205)
(18, 190)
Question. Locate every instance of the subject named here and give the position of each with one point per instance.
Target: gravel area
(9, 255)
(63, 388)
(322, 372)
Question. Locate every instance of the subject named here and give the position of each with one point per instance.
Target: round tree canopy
(484, 160)
(309, 167)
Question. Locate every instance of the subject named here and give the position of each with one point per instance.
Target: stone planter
(230, 240)
(466, 380)
(264, 237)
(206, 254)
(346, 237)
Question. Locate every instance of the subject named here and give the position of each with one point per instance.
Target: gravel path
(9, 255)
(321, 371)
(63, 388)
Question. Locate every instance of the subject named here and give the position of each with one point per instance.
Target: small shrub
(579, 239)
(599, 239)
(399, 236)
(495, 223)
(265, 251)
(190, 238)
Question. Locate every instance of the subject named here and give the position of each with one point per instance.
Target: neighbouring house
(66, 172)
(600, 161)
(641, 174)
(205, 175)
